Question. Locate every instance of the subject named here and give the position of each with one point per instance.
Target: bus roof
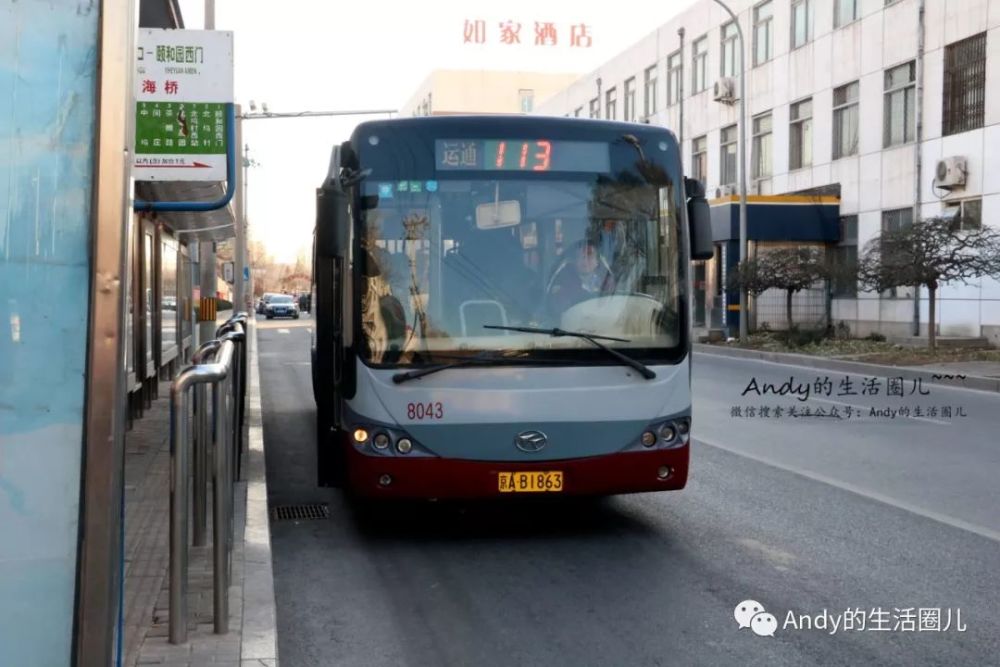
(491, 125)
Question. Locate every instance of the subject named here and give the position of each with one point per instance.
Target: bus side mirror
(332, 222)
(699, 220)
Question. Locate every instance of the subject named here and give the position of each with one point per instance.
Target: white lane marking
(982, 531)
(866, 410)
(811, 369)
(284, 331)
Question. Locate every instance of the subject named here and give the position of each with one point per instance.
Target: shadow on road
(510, 518)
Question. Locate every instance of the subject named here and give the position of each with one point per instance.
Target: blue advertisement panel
(48, 70)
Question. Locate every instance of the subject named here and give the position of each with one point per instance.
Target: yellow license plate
(530, 482)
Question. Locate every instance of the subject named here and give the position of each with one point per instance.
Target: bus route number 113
(428, 410)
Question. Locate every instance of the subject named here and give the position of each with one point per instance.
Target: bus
(502, 308)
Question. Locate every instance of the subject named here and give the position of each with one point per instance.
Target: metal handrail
(220, 375)
(238, 323)
(203, 433)
(229, 462)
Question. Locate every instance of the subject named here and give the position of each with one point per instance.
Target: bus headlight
(683, 426)
(648, 439)
(381, 441)
(404, 446)
(667, 433)
(360, 435)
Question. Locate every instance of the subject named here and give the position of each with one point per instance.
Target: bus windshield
(441, 260)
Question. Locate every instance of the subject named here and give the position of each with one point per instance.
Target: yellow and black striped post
(207, 309)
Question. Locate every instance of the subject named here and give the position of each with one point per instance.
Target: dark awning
(788, 217)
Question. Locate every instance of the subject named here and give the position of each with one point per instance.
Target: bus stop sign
(184, 79)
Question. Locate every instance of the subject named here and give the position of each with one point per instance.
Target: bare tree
(788, 269)
(928, 253)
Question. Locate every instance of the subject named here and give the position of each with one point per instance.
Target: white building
(866, 95)
(452, 91)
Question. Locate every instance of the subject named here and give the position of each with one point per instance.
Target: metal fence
(810, 309)
(217, 430)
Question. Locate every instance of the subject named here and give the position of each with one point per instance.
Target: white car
(282, 305)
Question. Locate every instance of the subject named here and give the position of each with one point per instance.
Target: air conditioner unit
(950, 173)
(725, 90)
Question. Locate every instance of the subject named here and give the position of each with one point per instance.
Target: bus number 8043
(429, 410)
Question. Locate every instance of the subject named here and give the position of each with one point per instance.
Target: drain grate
(302, 512)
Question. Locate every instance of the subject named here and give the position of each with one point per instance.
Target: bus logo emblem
(530, 441)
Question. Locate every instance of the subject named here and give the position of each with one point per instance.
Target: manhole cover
(303, 512)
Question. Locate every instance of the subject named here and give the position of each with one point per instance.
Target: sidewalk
(252, 638)
(980, 375)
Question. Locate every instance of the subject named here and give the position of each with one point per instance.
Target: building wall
(876, 178)
(481, 91)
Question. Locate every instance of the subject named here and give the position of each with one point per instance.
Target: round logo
(530, 441)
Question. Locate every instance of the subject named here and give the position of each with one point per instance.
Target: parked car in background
(262, 304)
(281, 305)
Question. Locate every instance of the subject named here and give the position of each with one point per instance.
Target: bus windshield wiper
(477, 360)
(644, 370)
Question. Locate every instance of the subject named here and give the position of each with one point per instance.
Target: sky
(318, 55)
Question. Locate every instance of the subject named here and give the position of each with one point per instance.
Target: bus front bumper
(432, 477)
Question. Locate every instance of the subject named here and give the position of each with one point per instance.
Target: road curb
(259, 644)
(858, 367)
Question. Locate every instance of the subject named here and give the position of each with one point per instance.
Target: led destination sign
(521, 155)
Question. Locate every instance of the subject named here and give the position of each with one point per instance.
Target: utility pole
(240, 249)
(206, 249)
(741, 126)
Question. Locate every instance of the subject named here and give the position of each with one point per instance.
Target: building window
(699, 65)
(897, 219)
(845, 255)
(762, 145)
(800, 23)
(844, 12)
(577, 112)
(892, 221)
(964, 215)
(611, 104)
(675, 70)
(964, 85)
(630, 100)
(727, 155)
(845, 120)
(730, 54)
(900, 105)
(800, 135)
(526, 99)
(649, 90)
(699, 158)
(763, 15)
(595, 107)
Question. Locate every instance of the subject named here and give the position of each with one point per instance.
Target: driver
(584, 277)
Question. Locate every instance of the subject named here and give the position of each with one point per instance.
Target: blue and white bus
(502, 307)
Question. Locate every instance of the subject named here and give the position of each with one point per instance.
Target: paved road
(653, 579)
